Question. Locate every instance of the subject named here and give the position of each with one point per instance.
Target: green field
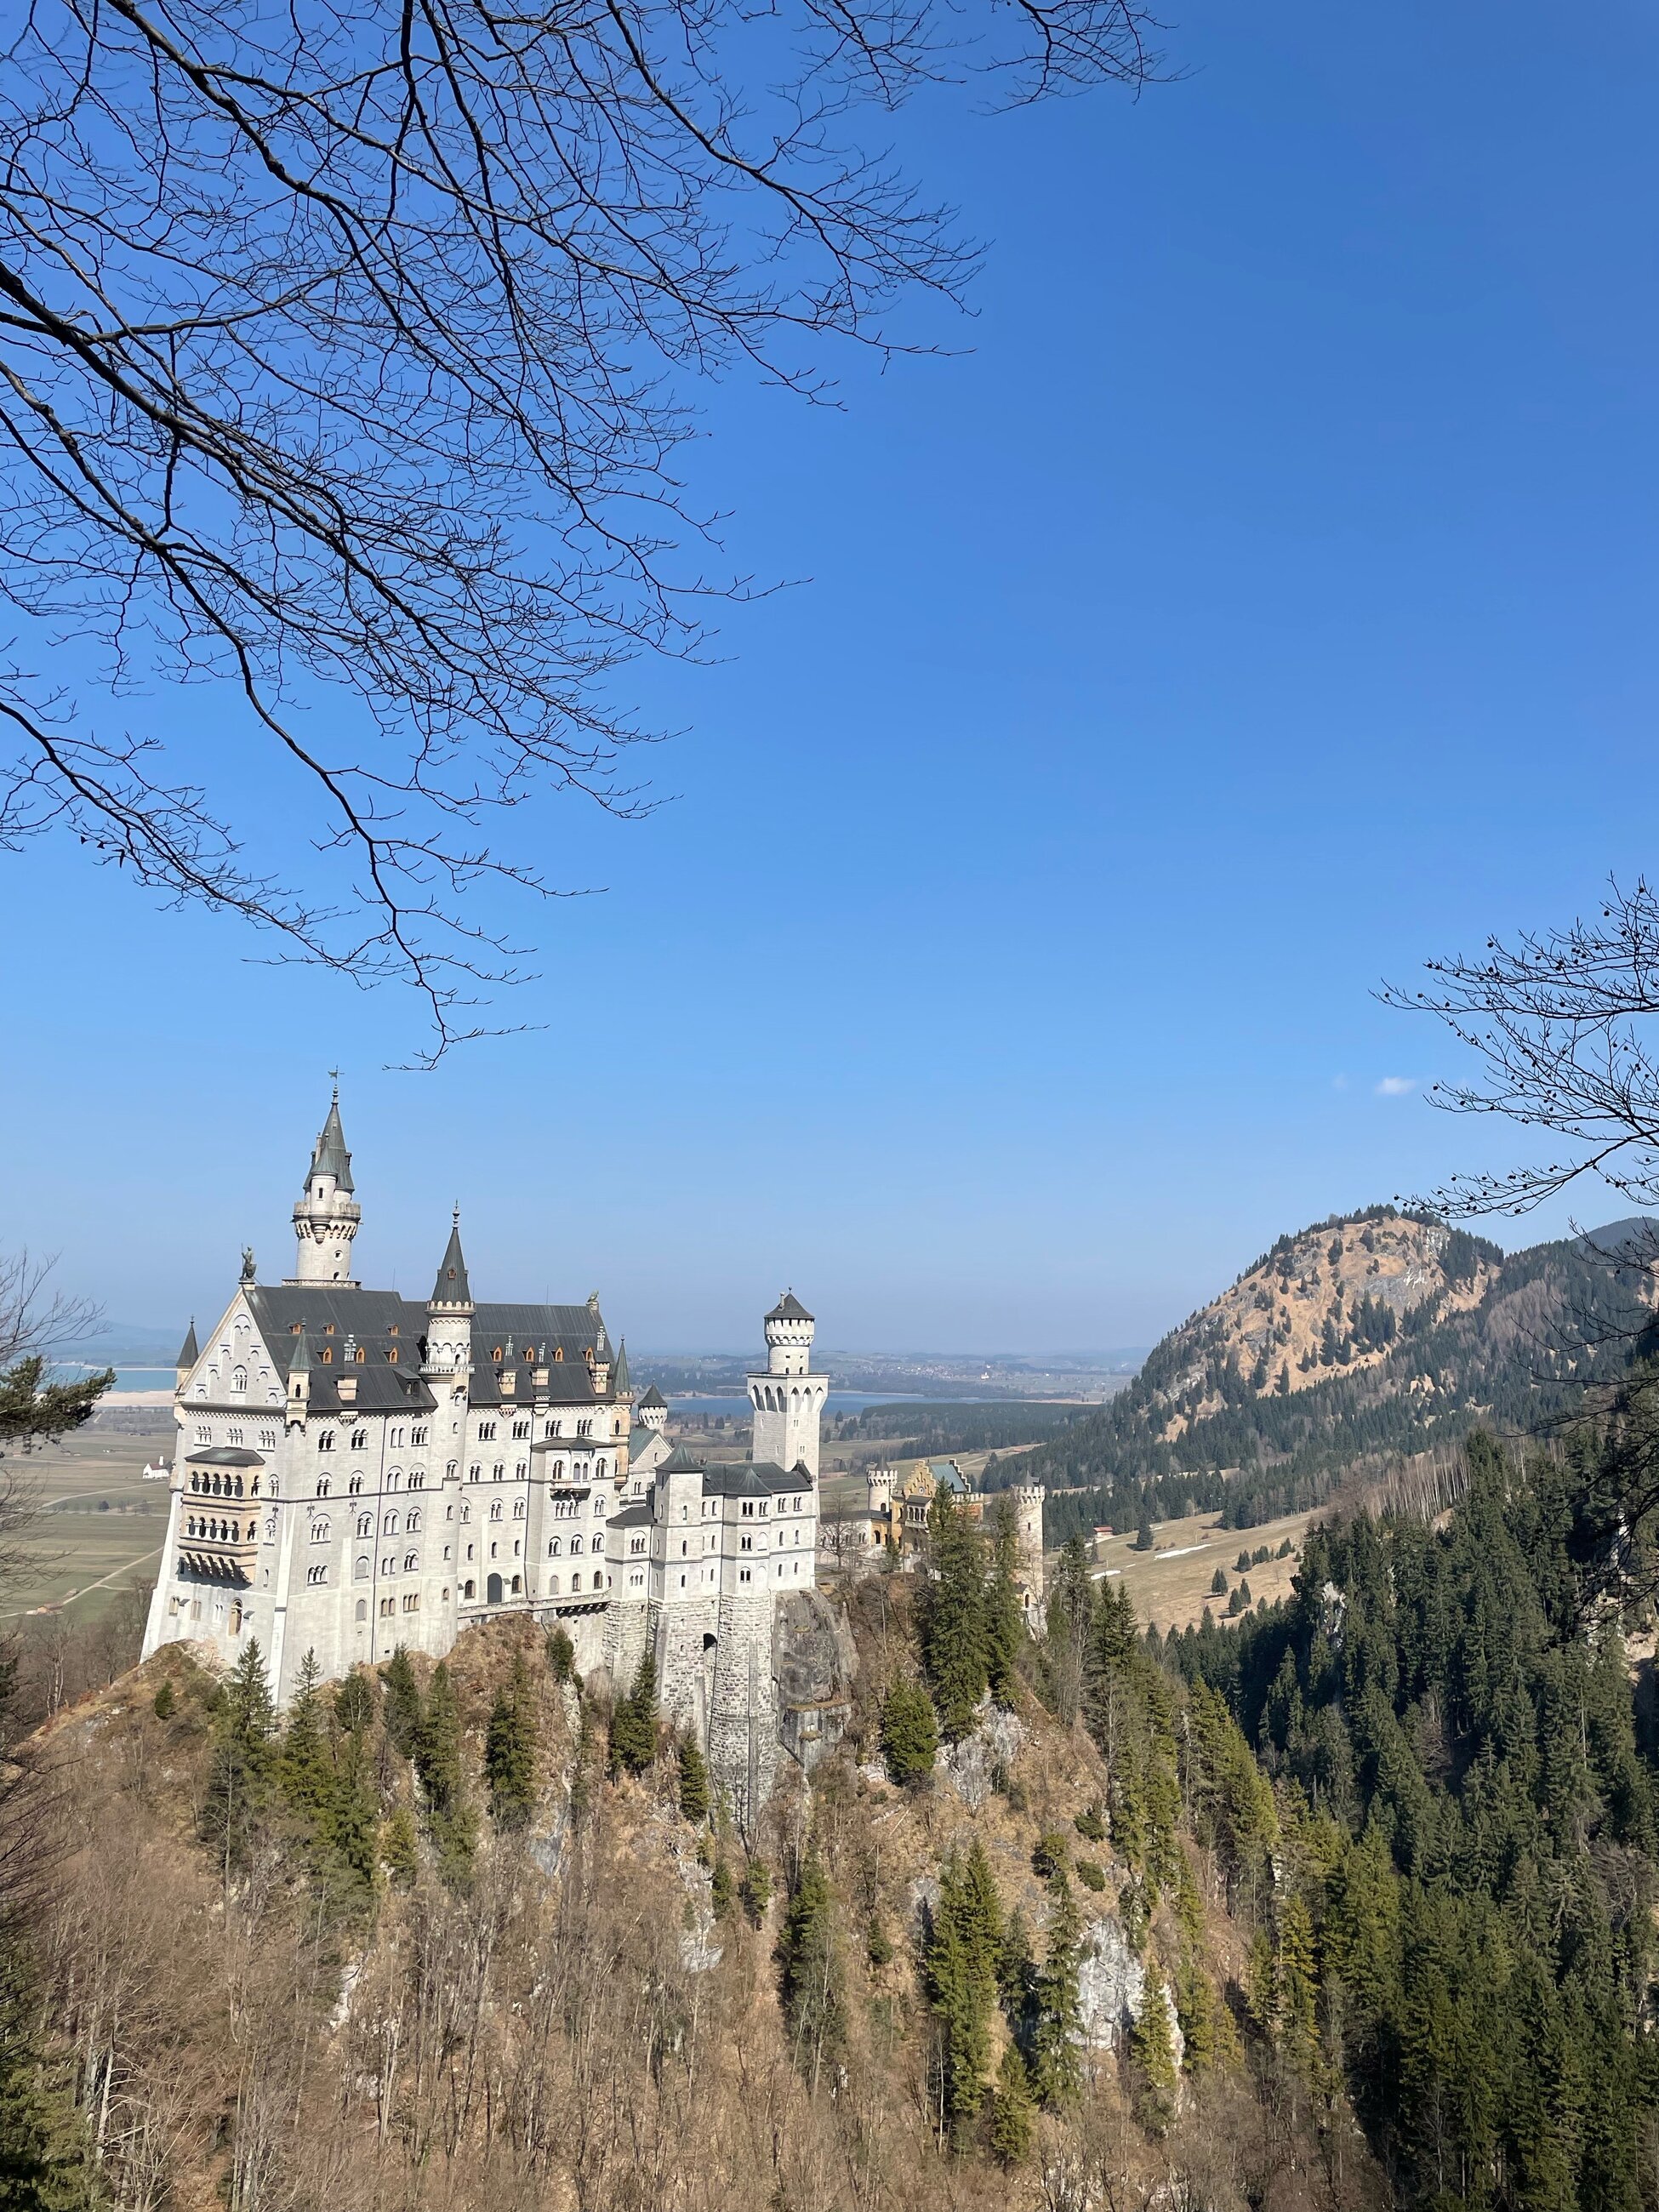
(99, 1527)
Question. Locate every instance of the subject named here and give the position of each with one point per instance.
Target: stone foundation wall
(685, 1669)
(742, 1717)
(623, 1644)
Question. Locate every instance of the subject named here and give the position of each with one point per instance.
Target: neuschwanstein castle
(356, 1471)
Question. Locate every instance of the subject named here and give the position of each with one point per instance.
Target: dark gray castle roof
(189, 1351)
(654, 1398)
(452, 1288)
(760, 1478)
(330, 1156)
(621, 1385)
(789, 1308)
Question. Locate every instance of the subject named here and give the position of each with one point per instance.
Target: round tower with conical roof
(449, 1312)
(327, 1215)
(788, 1398)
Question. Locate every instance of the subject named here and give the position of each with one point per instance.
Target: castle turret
(449, 1312)
(189, 1353)
(787, 1398)
(1028, 1522)
(327, 1216)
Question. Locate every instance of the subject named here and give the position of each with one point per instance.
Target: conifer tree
(961, 1958)
(1004, 1620)
(1057, 2025)
(909, 1733)
(162, 1703)
(306, 1767)
(955, 1646)
(633, 1723)
(1152, 2049)
(694, 1783)
(510, 1752)
(438, 1745)
(354, 1703)
(399, 1847)
(403, 1713)
(809, 1971)
(1013, 2114)
(354, 1814)
(242, 1775)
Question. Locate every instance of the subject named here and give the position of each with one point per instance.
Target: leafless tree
(1557, 1023)
(344, 349)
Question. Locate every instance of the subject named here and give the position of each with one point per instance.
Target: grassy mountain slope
(1366, 1339)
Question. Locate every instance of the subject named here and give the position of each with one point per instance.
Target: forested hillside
(1312, 1365)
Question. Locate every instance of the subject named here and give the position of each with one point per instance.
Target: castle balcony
(217, 1544)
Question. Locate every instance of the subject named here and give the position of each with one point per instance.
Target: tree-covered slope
(1362, 1340)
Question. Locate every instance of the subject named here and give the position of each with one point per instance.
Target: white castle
(356, 1471)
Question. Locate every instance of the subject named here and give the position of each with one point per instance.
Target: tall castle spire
(327, 1215)
(449, 1312)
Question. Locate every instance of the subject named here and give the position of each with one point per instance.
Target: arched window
(325, 1440)
(362, 1608)
(552, 1586)
(319, 1530)
(468, 1589)
(394, 1478)
(239, 1380)
(317, 1574)
(553, 1548)
(389, 1527)
(518, 1508)
(576, 1545)
(354, 1487)
(359, 1572)
(495, 1509)
(575, 1584)
(365, 1524)
(412, 1561)
(322, 1486)
(518, 1584)
(412, 1520)
(360, 1440)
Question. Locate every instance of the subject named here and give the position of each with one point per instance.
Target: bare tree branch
(341, 349)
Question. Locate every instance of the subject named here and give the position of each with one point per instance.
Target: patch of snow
(1181, 1551)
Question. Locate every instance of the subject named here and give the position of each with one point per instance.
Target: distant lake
(839, 1401)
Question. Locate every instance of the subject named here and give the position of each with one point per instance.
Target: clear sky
(1262, 600)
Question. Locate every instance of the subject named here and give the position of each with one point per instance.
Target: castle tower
(449, 1312)
(788, 1399)
(1027, 1522)
(651, 1411)
(189, 1353)
(326, 1218)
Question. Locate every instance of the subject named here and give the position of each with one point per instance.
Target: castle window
(466, 1515)
(636, 1544)
(555, 1429)
(294, 1328)
(598, 1469)
(553, 1548)
(552, 1586)
(520, 1430)
(636, 1582)
(354, 1487)
(576, 1545)
(388, 1566)
(558, 1470)
(412, 1561)
(412, 1521)
(411, 1601)
(468, 1589)
(317, 1574)
(388, 1607)
(744, 1575)
(474, 1472)
(392, 1328)
(486, 1430)
(417, 1436)
(360, 1440)
(391, 1528)
(496, 1508)
(395, 1438)
(748, 1543)
(558, 1351)
(598, 1544)
(328, 1328)
(325, 1440)
(518, 1508)
(584, 1428)
(391, 1355)
(394, 1478)
(518, 1584)
(521, 1468)
(359, 1572)
(319, 1530)
(362, 1608)
(417, 1478)
(365, 1524)
(328, 1355)
(267, 1439)
(362, 1355)
(322, 1486)
(575, 1584)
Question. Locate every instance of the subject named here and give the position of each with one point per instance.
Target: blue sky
(1262, 600)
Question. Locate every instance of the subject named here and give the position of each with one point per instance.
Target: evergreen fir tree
(909, 1733)
(962, 1958)
(694, 1783)
(633, 1723)
(163, 1702)
(510, 1752)
(438, 1744)
(354, 1703)
(1005, 1618)
(1013, 2114)
(1152, 2049)
(403, 1713)
(399, 1847)
(809, 1971)
(560, 1654)
(306, 1765)
(951, 1616)
(1057, 2005)
(242, 1775)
